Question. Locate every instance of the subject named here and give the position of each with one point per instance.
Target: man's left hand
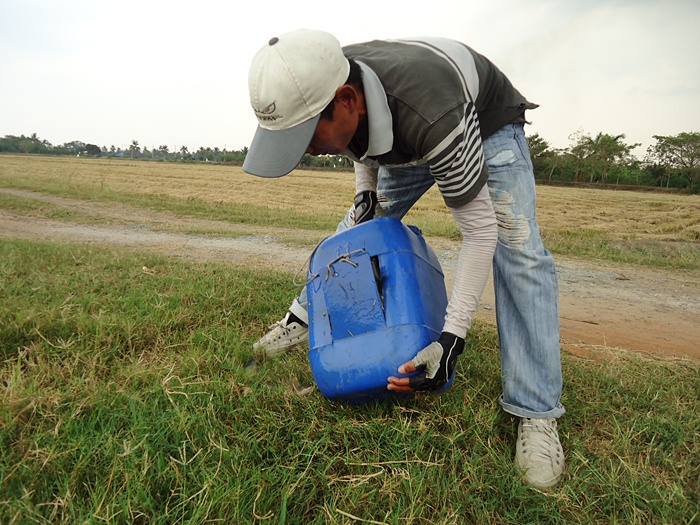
(437, 362)
(365, 204)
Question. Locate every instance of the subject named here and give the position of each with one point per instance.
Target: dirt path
(650, 311)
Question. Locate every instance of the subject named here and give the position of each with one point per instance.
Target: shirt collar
(379, 120)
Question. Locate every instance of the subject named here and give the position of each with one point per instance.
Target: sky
(175, 73)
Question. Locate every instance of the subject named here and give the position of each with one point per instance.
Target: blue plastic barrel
(376, 297)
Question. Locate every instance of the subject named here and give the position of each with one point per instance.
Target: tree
(73, 148)
(205, 154)
(680, 152)
(134, 148)
(538, 145)
(23, 144)
(93, 150)
(659, 173)
(600, 154)
(544, 158)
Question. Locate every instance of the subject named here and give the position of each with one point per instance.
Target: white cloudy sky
(175, 73)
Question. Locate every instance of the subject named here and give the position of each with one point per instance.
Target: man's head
(292, 80)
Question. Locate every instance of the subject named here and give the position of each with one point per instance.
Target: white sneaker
(538, 452)
(286, 333)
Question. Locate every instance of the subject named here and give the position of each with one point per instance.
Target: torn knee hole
(513, 230)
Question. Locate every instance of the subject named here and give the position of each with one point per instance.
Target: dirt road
(650, 311)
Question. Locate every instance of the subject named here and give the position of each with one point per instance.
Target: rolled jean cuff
(556, 412)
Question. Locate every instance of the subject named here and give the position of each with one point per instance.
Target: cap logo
(267, 110)
(266, 114)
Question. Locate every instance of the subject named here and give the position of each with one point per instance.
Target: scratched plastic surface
(376, 297)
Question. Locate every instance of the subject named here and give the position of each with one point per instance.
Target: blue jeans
(524, 274)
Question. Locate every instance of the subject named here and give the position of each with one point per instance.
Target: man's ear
(347, 96)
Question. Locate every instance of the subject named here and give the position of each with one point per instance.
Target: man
(411, 113)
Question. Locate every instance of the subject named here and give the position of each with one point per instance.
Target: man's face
(333, 136)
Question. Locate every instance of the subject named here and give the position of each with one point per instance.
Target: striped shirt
(431, 100)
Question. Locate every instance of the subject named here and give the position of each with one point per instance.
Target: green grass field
(128, 395)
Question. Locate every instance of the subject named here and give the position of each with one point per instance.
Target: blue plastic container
(376, 297)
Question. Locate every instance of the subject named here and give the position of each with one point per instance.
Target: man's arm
(365, 178)
(366, 204)
(457, 162)
(477, 222)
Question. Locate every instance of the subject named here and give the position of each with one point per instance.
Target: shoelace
(539, 439)
(285, 328)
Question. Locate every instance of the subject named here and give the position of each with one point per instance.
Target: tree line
(671, 162)
(34, 145)
(603, 160)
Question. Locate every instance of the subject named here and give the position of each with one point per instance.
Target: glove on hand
(438, 361)
(365, 204)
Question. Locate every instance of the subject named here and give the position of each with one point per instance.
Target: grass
(129, 396)
(648, 229)
(677, 255)
(35, 208)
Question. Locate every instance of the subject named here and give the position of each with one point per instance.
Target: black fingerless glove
(365, 204)
(438, 361)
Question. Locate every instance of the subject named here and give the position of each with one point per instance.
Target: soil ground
(602, 307)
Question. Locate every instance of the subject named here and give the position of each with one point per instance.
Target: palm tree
(602, 153)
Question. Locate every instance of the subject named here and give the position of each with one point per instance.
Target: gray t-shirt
(431, 100)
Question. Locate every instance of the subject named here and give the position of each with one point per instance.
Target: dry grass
(207, 182)
(623, 215)
(618, 215)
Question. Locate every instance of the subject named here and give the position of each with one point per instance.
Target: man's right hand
(436, 362)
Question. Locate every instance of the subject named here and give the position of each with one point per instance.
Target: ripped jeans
(525, 279)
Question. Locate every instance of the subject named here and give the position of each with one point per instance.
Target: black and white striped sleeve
(457, 162)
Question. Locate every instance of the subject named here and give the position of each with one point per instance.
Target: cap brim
(276, 153)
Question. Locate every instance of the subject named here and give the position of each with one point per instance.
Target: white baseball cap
(291, 81)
